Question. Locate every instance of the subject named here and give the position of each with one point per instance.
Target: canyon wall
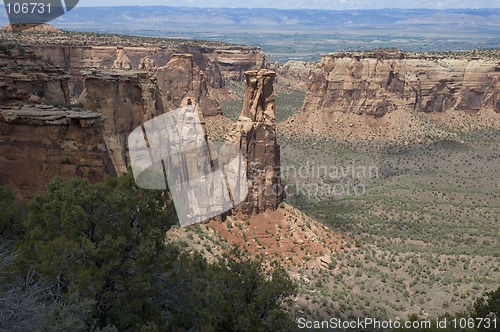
(129, 98)
(37, 140)
(181, 78)
(217, 63)
(236, 60)
(294, 74)
(376, 83)
(23, 76)
(40, 142)
(126, 99)
(78, 58)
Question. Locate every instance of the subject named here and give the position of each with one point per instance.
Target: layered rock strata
(255, 135)
(122, 61)
(235, 61)
(126, 99)
(376, 83)
(181, 78)
(84, 53)
(293, 73)
(40, 142)
(24, 76)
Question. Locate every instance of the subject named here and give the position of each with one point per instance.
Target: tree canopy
(98, 260)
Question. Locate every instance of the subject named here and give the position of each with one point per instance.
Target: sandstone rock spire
(147, 63)
(255, 134)
(122, 61)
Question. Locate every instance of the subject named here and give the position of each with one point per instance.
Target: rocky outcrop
(293, 73)
(126, 99)
(40, 142)
(122, 61)
(73, 143)
(376, 83)
(147, 63)
(83, 52)
(31, 28)
(255, 135)
(235, 61)
(23, 77)
(241, 179)
(50, 115)
(181, 78)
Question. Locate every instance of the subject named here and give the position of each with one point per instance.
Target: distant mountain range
(282, 18)
(216, 17)
(297, 34)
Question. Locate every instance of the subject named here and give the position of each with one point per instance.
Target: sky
(301, 4)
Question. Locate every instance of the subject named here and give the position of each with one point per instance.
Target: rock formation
(75, 53)
(23, 76)
(235, 61)
(122, 61)
(93, 144)
(147, 63)
(126, 99)
(294, 73)
(40, 142)
(242, 178)
(255, 134)
(181, 78)
(31, 28)
(376, 83)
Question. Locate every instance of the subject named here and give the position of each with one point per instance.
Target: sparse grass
(426, 229)
(83, 38)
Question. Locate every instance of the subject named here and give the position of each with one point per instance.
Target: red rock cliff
(376, 83)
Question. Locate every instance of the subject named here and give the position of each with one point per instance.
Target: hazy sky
(297, 4)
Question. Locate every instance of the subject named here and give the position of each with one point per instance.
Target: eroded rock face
(255, 134)
(31, 28)
(181, 78)
(23, 76)
(77, 53)
(122, 61)
(50, 115)
(294, 73)
(126, 99)
(147, 63)
(235, 61)
(40, 142)
(379, 82)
